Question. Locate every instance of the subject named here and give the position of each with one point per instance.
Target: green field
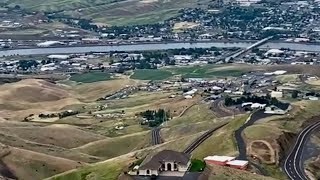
(207, 71)
(90, 77)
(151, 74)
(197, 165)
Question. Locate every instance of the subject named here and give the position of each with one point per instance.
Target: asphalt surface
(241, 145)
(155, 136)
(219, 110)
(293, 165)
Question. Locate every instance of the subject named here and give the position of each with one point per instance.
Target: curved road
(241, 145)
(293, 166)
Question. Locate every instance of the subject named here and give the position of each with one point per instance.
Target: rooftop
(237, 163)
(219, 158)
(154, 161)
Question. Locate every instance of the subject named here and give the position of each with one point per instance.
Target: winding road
(241, 145)
(293, 165)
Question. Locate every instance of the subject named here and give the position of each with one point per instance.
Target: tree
(294, 94)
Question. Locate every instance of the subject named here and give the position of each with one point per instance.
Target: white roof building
(274, 52)
(279, 72)
(237, 163)
(48, 43)
(58, 56)
(219, 158)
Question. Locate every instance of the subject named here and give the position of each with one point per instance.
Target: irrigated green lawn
(197, 165)
(151, 74)
(90, 77)
(207, 71)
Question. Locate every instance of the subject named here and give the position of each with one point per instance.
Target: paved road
(219, 110)
(241, 145)
(155, 136)
(238, 133)
(293, 166)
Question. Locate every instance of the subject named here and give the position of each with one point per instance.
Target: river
(157, 46)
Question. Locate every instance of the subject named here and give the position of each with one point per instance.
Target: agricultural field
(151, 74)
(206, 71)
(90, 77)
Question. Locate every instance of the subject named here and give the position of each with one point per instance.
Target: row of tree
(268, 100)
(155, 117)
(60, 115)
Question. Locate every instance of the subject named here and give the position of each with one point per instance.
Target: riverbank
(155, 46)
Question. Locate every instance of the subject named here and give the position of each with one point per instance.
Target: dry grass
(197, 113)
(219, 172)
(143, 101)
(19, 142)
(65, 136)
(93, 91)
(222, 141)
(30, 165)
(112, 147)
(184, 25)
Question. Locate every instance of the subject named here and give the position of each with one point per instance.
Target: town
(157, 89)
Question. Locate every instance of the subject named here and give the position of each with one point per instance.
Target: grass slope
(222, 142)
(107, 170)
(119, 12)
(112, 147)
(90, 77)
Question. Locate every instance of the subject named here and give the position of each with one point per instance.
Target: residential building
(218, 160)
(164, 161)
(238, 164)
(276, 94)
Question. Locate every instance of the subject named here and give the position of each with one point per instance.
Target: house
(280, 109)
(238, 164)
(218, 160)
(226, 161)
(164, 161)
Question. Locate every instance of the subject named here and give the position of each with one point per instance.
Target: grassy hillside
(110, 12)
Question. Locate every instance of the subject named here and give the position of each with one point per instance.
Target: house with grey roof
(164, 161)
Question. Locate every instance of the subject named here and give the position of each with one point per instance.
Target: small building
(164, 161)
(238, 164)
(280, 109)
(218, 160)
(313, 98)
(258, 106)
(274, 52)
(276, 94)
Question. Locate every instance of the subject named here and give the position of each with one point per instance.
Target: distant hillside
(111, 12)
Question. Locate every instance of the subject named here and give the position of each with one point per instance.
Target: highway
(155, 136)
(293, 165)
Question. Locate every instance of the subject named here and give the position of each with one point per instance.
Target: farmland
(90, 77)
(206, 71)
